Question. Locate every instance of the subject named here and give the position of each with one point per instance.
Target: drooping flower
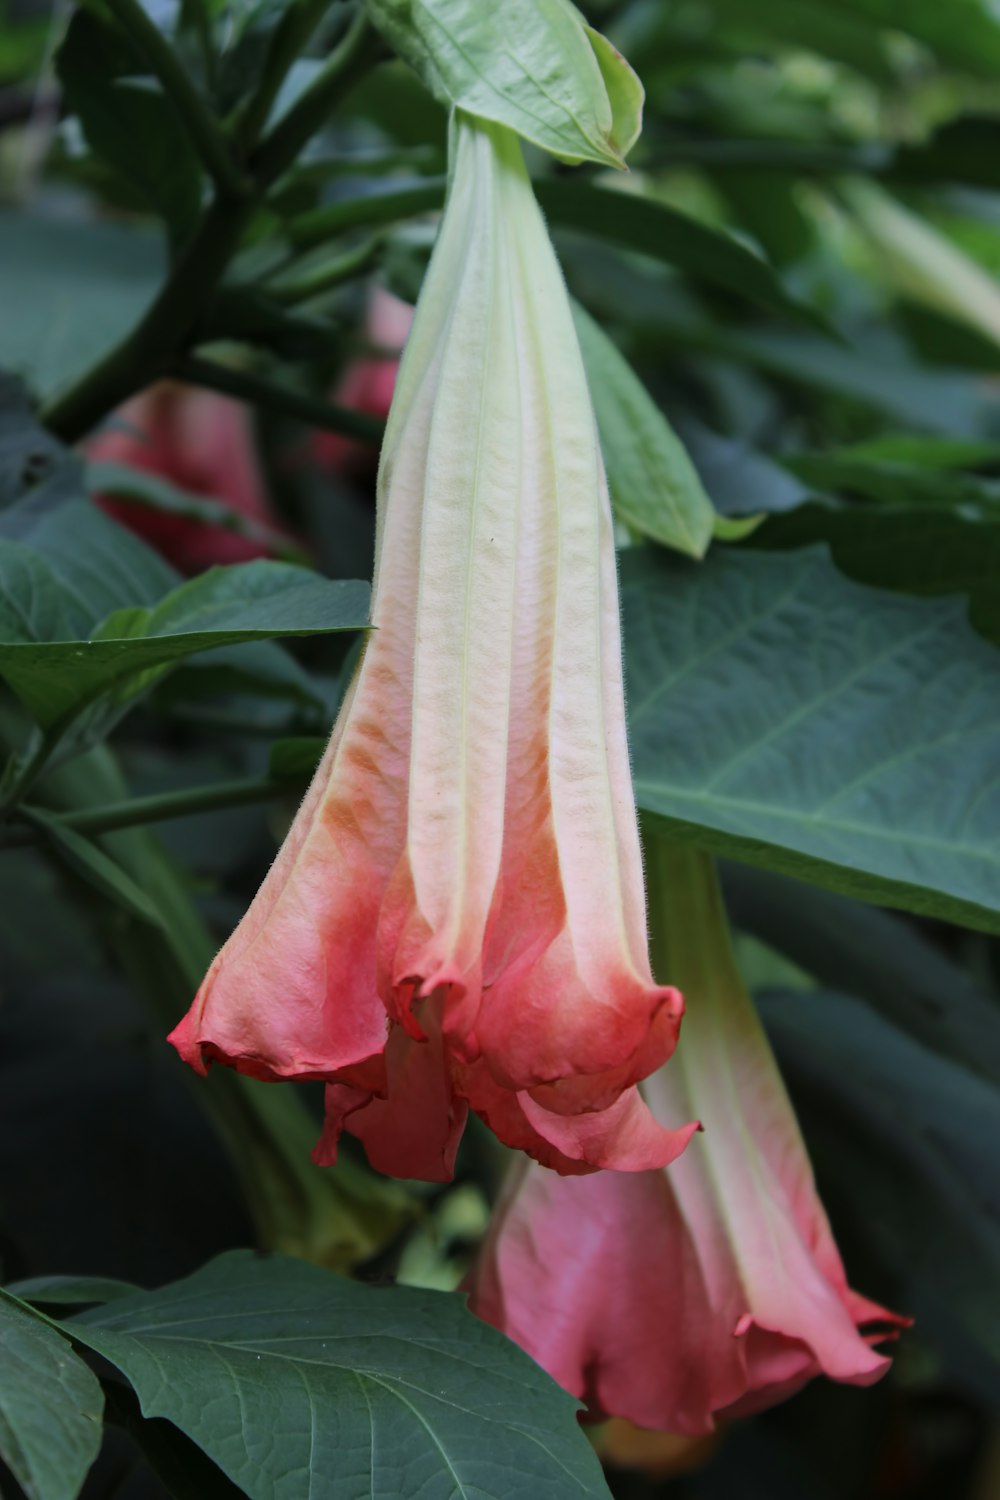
(712, 1289)
(200, 442)
(457, 917)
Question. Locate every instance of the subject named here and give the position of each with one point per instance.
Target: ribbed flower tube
(457, 916)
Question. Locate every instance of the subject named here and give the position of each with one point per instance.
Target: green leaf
(927, 452)
(128, 122)
(50, 1406)
(182, 1466)
(70, 288)
(964, 32)
(376, 1392)
(532, 65)
(654, 486)
(295, 759)
(97, 564)
(786, 716)
(70, 1291)
(878, 377)
(815, 27)
(383, 205)
(645, 226)
(897, 482)
(627, 220)
(919, 261)
(742, 481)
(100, 566)
(57, 676)
(33, 606)
(94, 866)
(882, 958)
(930, 552)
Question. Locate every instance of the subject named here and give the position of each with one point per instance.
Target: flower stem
(136, 812)
(297, 24)
(309, 409)
(171, 324)
(359, 50)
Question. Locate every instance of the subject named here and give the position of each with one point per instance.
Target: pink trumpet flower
(366, 385)
(713, 1289)
(457, 917)
(201, 442)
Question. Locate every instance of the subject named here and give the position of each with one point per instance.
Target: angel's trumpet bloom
(706, 1291)
(457, 916)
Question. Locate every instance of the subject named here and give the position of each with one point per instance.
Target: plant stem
(211, 143)
(24, 779)
(308, 409)
(297, 24)
(138, 811)
(167, 326)
(170, 325)
(359, 50)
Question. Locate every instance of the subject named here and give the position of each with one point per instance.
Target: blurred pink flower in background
(366, 385)
(710, 1289)
(202, 443)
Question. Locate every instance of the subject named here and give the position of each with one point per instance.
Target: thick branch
(169, 326)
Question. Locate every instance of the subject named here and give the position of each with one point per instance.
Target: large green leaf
(926, 551)
(57, 676)
(297, 1383)
(785, 715)
(654, 485)
(640, 224)
(100, 566)
(96, 564)
(50, 1407)
(69, 290)
(532, 65)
